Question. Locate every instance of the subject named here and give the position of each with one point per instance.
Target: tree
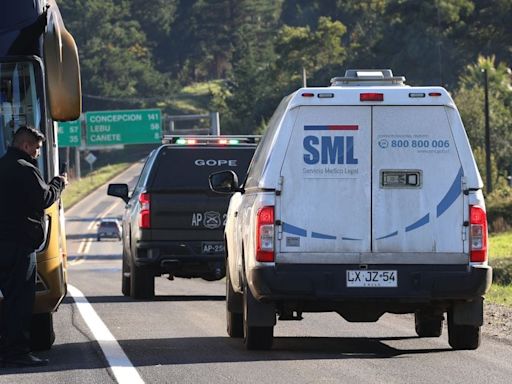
(470, 100)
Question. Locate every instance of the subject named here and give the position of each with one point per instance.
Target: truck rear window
(186, 168)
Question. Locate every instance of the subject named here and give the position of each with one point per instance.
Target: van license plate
(212, 247)
(372, 279)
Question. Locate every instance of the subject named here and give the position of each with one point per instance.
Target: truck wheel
(42, 334)
(235, 320)
(427, 324)
(463, 337)
(255, 338)
(142, 283)
(125, 276)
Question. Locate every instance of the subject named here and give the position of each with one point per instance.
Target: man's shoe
(24, 360)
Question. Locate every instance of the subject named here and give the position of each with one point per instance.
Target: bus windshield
(19, 103)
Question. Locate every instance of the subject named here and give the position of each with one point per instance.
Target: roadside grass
(78, 189)
(500, 245)
(500, 294)
(500, 258)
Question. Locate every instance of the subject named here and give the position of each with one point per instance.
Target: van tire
(463, 337)
(42, 335)
(234, 320)
(125, 277)
(255, 338)
(142, 283)
(428, 325)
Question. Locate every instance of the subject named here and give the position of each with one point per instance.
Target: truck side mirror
(119, 190)
(224, 182)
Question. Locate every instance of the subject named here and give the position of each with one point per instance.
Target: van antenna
(304, 78)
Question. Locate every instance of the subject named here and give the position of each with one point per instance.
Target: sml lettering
(329, 150)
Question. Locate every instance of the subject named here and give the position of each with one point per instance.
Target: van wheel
(463, 337)
(42, 335)
(125, 276)
(235, 320)
(142, 283)
(428, 324)
(255, 338)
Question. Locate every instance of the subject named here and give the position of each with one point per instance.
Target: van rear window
(181, 168)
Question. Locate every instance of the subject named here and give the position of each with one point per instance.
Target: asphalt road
(180, 337)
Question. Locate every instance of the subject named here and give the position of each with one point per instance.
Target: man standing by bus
(24, 195)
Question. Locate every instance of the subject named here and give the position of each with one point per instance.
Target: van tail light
(478, 234)
(144, 214)
(265, 234)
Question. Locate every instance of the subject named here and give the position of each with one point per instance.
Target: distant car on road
(109, 228)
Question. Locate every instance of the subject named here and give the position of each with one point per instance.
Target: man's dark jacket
(24, 195)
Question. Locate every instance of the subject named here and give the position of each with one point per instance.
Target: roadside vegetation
(78, 189)
(500, 258)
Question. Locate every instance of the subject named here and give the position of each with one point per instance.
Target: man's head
(29, 140)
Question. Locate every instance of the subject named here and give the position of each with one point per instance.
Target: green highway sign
(69, 134)
(123, 127)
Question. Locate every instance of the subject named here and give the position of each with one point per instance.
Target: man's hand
(64, 178)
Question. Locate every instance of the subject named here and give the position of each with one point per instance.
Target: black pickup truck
(173, 224)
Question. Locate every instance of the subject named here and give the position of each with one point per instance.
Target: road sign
(90, 158)
(70, 134)
(108, 128)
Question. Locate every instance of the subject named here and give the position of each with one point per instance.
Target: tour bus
(40, 85)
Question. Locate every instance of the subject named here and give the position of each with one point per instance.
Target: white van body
(371, 183)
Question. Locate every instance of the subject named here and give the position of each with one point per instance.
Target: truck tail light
(144, 215)
(265, 234)
(478, 234)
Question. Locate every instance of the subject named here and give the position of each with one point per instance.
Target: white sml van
(362, 198)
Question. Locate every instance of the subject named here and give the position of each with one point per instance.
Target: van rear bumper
(416, 283)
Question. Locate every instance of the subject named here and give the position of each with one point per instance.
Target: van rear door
(325, 202)
(417, 200)
(370, 180)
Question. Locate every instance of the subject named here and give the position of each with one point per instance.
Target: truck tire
(235, 320)
(142, 283)
(463, 337)
(427, 324)
(42, 335)
(255, 337)
(125, 277)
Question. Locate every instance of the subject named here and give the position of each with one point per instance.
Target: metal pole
(77, 163)
(304, 78)
(488, 175)
(214, 124)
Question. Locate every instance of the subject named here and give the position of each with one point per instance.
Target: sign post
(110, 128)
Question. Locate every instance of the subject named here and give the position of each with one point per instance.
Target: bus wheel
(42, 334)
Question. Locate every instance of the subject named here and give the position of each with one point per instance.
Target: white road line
(121, 366)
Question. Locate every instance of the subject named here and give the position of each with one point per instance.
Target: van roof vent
(364, 77)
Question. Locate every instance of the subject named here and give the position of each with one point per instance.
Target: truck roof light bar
(211, 139)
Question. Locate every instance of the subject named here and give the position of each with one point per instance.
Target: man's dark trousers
(18, 284)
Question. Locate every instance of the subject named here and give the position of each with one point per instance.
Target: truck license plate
(212, 247)
(372, 279)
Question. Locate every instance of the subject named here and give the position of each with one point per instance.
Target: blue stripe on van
(387, 236)
(288, 228)
(420, 223)
(331, 127)
(350, 239)
(316, 235)
(452, 194)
